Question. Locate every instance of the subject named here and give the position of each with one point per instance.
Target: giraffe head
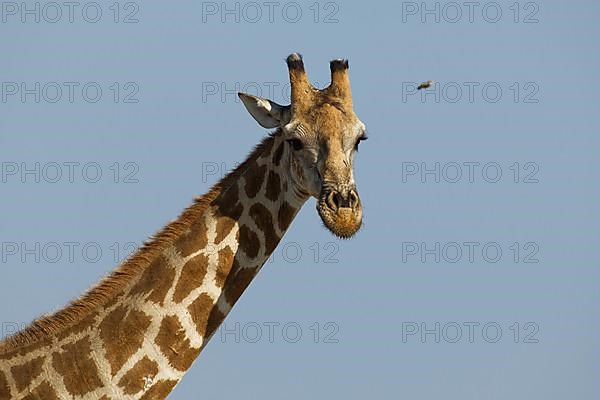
(322, 134)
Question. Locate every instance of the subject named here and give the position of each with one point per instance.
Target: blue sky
(475, 275)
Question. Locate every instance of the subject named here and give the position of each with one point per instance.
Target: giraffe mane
(116, 280)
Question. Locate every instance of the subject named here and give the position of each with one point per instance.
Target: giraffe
(136, 333)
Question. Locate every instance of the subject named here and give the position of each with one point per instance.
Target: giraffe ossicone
(136, 333)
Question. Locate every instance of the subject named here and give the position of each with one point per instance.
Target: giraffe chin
(343, 222)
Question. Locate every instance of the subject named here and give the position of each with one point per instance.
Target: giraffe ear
(266, 112)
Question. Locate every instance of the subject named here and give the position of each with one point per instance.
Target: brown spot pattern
(228, 203)
(192, 275)
(25, 373)
(4, 389)
(200, 310)
(42, 392)
(215, 319)
(224, 226)
(254, 178)
(285, 215)
(155, 281)
(174, 345)
(278, 154)
(273, 189)
(267, 147)
(133, 381)
(239, 283)
(224, 267)
(85, 324)
(249, 242)
(77, 368)
(263, 219)
(195, 239)
(122, 334)
(159, 391)
(26, 349)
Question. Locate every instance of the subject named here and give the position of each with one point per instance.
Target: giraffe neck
(141, 339)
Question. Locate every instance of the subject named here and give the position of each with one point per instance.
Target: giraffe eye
(296, 144)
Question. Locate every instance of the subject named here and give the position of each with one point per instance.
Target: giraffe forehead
(330, 121)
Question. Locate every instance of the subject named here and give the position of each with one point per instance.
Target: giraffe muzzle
(341, 211)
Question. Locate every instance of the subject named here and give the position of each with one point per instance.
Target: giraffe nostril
(333, 200)
(353, 197)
